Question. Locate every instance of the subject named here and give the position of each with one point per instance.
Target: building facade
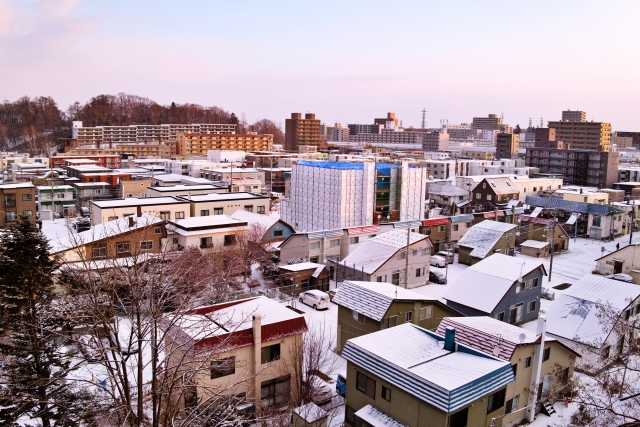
(16, 200)
(507, 145)
(199, 144)
(299, 131)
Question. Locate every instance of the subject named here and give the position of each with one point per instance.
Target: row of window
(99, 252)
(515, 312)
(336, 242)
(388, 322)
(11, 216)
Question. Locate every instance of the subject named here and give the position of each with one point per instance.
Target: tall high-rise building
(491, 122)
(583, 135)
(507, 145)
(299, 131)
(332, 195)
(574, 116)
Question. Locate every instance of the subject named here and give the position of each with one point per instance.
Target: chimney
(131, 221)
(257, 354)
(139, 211)
(450, 339)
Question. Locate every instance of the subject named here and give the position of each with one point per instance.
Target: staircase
(548, 408)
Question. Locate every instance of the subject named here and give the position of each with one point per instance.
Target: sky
(345, 61)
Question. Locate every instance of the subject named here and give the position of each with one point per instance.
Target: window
(455, 227)
(419, 272)
(605, 352)
(512, 404)
(547, 353)
(515, 313)
(206, 242)
(26, 197)
(534, 283)
(459, 419)
(218, 211)
(408, 316)
(157, 230)
(425, 252)
(99, 252)
(441, 228)
(527, 362)
(261, 210)
(146, 245)
(204, 212)
(382, 279)
(626, 314)
(484, 185)
(403, 255)
(563, 376)
(488, 196)
(180, 215)
(112, 218)
(531, 307)
(27, 213)
(275, 391)
(514, 368)
(386, 394)
(478, 196)
(357, 316)
(469, 224)
(335, 242)
(350, 415)
(426, 312)
(389, 322)
(313, 259)
(269, 353)
(223, 367)
(248, 208)
(314, 245)
(496, 400)
(366, 385)
(9, 200)
(414, 252)
(500, 316)
(354, 240)
(175, 240)
(277, 233)
(395, 278)
(165, 215)
(229, 239)
(596, 221)
(123, 248)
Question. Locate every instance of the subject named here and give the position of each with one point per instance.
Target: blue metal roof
(412, 359)
(566, 205)
(461, 218)
(345, 165)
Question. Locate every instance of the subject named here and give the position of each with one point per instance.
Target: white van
(314, 298)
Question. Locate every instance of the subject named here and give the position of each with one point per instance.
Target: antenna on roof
(522, 337)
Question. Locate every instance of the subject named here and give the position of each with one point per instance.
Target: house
(500, 286)
(227, 203)
(214, 232)
(264, 228)
(535, 248)
(304, 276)
(244, 346)
(63, 199)
(458, 226)
(594, 317)
(132, 236)
(484, 239)
(436, 229)
(409, 376)
(521, 348)
(163, 207)
(16, 200)
(367, 307)
(493, 192)
(543, 230)
(384, 259)
(624, 260)
(448, 197)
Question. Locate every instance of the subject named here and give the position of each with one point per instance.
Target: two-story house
(409, 376)
(485, 239)
(506, 288)
(366, 307)
(16, 200)
(61, 196)
(493, 192)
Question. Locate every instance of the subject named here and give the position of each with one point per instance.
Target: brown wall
(20, 207)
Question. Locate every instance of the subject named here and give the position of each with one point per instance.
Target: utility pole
(632, 217)
(406, 266)
(553, 241)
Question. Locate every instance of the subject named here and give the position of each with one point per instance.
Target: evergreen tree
(36, 361)
(517, 129)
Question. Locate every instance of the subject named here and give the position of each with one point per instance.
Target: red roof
(365, 229)
(535, 220)
(435, 221)
(493, 214)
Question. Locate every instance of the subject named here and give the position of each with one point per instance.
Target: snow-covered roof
(102, 231)
(301, 266)
(254, 218)
(581, 312)
(377, 418)
(483, 285)
(45, 188)
(135, 201)
(215, 197)
(374, 252)
(373, 299)
(414, 360)
(12, 186)
(310, 412)
(449, 190)
(534, 244)
(483, 236)
(502, 185)
(185, 188)
(207, 222)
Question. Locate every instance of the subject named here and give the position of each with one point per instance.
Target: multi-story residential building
(299, 131)
(635, 137)
(141, 150)
(16, 200)
(63, 199)
(335, 133)
(574, 116)
(491, 122)
(227, 203)
(356, 129)
(582, 135)
(621, 141)
(198, 144)
(207, 233)
(410, 376)
(507, 145)
(331, 195)
(435, 140)
(390, 121)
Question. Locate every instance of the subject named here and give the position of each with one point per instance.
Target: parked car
(436, 276)
(332, 294)
(446, 255)
(621, 277)
(315, 298)
(321, 390)
(341, 383)
(438, 261)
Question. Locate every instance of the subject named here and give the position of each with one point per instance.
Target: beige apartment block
(299, 131)
(199, 144)
(583, 135)
(574, 116)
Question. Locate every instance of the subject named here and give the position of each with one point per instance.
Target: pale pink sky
(345, 61)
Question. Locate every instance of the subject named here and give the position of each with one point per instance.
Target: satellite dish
(496, 351)
(522, 337)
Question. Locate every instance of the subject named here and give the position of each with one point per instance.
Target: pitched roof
(502, 185)
(576, 313)
(414, 360)
(449, 190)
(483, 285)
(378, 418)
(579, 207)
(264, 221)
(374, 252)
(534, 244)
(373, 299)
(483, 236)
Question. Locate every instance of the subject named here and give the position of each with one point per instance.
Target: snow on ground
(57, 229)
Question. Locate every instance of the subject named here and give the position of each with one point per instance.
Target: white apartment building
(331, 195)
(446, 169)
(504, 167)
